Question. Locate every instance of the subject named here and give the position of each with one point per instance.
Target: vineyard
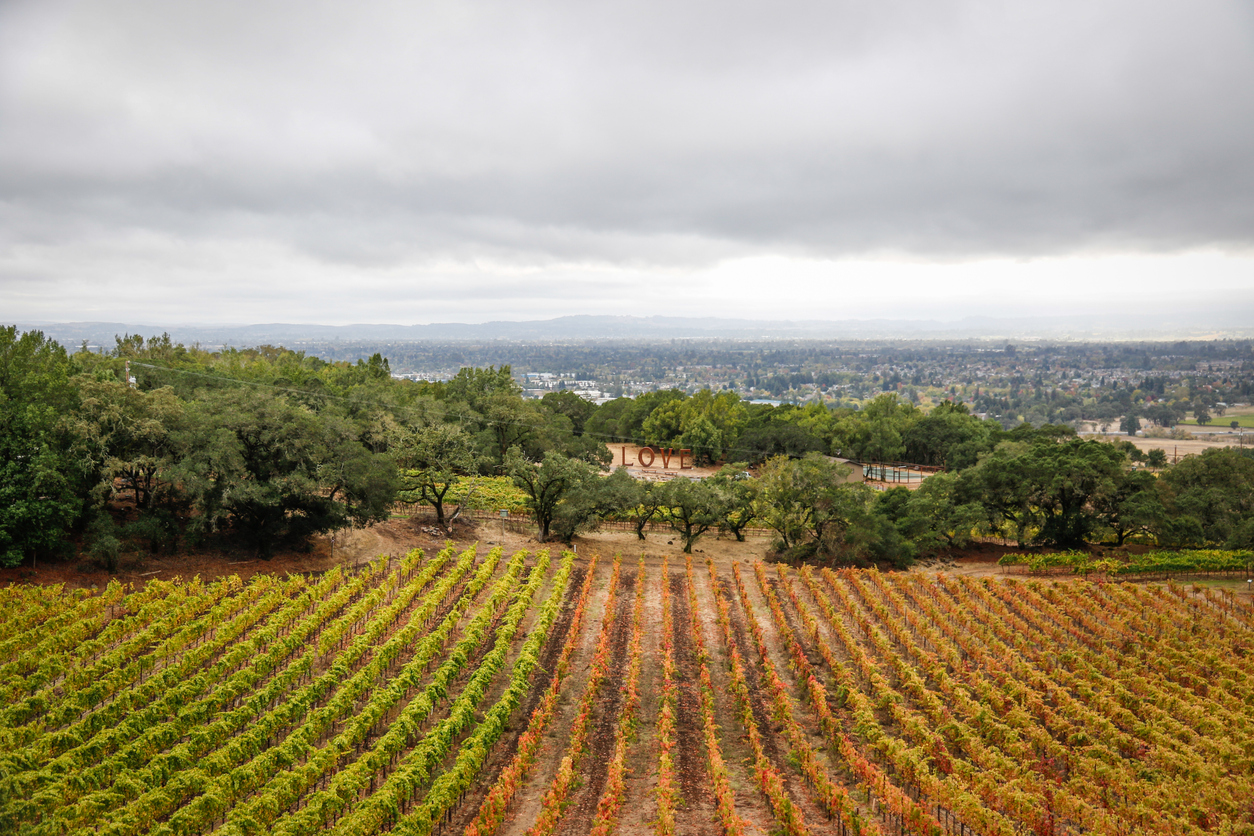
(523, 695)
(1155, 564)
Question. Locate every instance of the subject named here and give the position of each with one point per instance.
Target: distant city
(1011, 380)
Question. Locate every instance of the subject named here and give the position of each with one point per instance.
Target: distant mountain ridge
(590, 327)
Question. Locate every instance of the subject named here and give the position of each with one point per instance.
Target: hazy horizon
(658, 330)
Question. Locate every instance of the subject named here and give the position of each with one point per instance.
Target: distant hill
(1094, 327)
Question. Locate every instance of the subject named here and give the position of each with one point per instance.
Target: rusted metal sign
(666, 454)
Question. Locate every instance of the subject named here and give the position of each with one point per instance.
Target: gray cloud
(395, 136)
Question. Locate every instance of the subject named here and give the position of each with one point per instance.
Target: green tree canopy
(547, 483)
(876, 432)
(1130, 504)
(1045, 489)
(597, 498)
(433, 459)
(691, 507)
(474, 386)
(130, 435)
(709, 424)
(816, 510)
(575, 408)
(626, 416)
(277, 472)
(44, 475)
(738, 505)
(1210, 500)
(936, 515)
(948, 437)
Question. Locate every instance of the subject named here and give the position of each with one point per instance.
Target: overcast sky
(238, 161)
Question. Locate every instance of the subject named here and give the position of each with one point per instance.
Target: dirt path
(578, 818)
(639, 801)
(696, 813)
(526, 804)
(751, 804)
(505, 749)
(773, 740)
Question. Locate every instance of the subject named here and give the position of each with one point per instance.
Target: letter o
(640, 456)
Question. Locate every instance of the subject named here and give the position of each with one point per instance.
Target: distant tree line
(1040, 383)
(266, 447)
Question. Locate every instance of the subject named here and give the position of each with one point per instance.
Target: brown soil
(696, 813)
(398, 536)
(350, 548)
(1183, 447)
(507, 746)
(578, 819)
(355, 547)
(774, 742)
(526, 804)
(751, 804)
(639, 807)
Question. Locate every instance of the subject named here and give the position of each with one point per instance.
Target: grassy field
(1243, 415)
(1216, 423)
